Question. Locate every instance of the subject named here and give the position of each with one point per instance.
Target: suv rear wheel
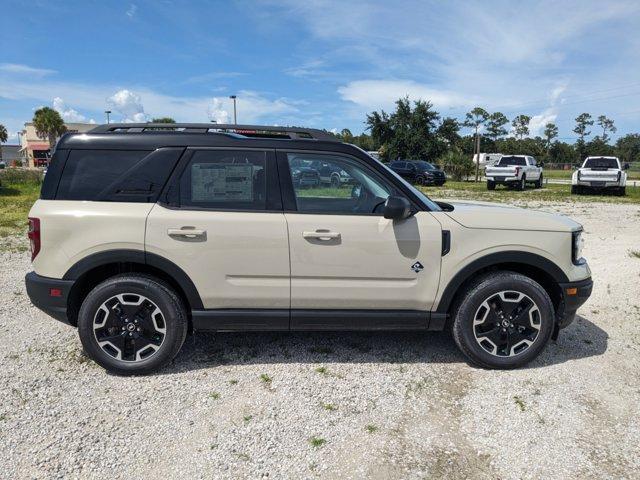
(132, 324)
(504, 320)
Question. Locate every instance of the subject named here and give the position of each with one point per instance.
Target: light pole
(108, 112)
(235, 117)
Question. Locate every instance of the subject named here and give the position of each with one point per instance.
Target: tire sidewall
(165, 300)
(478, 294)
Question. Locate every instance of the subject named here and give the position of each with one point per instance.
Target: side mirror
(397, 208)
(626, 166)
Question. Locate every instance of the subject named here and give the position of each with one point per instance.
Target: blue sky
(319, 63)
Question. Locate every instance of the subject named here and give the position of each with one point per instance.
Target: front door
(225, 228)
(345, 255)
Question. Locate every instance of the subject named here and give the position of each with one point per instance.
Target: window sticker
(221, 182)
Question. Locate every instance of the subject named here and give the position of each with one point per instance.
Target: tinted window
(224, 179)
(352, 188)
(88, 173)
(426, 166)
(397, 164)
(601, 163)
(511, 160)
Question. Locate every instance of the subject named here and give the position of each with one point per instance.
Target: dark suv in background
(419, 171)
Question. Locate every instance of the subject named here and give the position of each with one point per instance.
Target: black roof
(143, 136)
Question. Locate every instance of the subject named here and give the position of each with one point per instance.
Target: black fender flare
(138, 256)
(496, 259)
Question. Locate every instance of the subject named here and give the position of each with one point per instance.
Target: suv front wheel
(132, 324)
(503, 321)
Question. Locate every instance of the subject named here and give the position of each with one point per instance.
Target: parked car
(600, 174)
(141, 236)
(419, 171)
(514, 171)
(331, 173)
(302, 175)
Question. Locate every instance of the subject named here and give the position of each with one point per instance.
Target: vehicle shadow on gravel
(582, 339)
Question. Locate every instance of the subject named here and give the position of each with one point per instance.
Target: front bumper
(49, 295)
(573, 296)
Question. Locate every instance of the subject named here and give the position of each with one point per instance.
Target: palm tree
(49, 124)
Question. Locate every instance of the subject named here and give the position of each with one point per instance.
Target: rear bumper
(574, 294)
(49, 295)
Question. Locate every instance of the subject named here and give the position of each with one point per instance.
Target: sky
(319, 63)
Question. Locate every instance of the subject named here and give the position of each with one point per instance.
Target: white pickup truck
(514, 171)
(600, 173)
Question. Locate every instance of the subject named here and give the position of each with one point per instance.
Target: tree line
(415, 130)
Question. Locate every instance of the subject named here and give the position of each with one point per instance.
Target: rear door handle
(324, 235)
(187, 232)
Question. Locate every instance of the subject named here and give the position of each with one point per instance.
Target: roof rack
(251, 131)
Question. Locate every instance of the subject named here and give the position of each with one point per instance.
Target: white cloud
(129, 105)
(131, 12)
(67, 114)
(216, 112)
(310, 68)
(374, 94)
(20, 69)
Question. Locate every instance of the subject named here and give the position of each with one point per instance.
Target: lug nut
(139, 329)
(130, 334)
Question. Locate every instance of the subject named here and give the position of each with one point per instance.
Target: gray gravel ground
(334, 405)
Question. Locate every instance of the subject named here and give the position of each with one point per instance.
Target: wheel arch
(538, 268)
(93, 269)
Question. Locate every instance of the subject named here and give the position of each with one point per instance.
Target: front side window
(334, 184)
(226, 180)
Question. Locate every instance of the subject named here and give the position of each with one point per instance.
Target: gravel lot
(335, 405)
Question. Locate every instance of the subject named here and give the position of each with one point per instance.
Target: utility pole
(108, 112)
(477, 155)
(235, 116)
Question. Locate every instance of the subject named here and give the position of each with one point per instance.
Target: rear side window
(88, 173)
(226, 180)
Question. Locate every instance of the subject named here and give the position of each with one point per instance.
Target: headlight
(576, 247)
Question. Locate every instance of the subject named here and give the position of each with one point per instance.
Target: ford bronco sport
(145, 232)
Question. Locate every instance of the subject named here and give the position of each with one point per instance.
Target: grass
(317, 442)
(371, 428)
(520, 403)
(551, 192)
(331, 407)
(266, 378)
(16, 198)
(322, 370)
(214, 395)
(634, 253)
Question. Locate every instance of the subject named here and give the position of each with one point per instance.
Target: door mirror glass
(397, 208)
(626, 166)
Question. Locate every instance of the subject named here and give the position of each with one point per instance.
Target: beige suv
(145, 232)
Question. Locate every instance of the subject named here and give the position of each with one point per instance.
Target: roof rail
(252, 131)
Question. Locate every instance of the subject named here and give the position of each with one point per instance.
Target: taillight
(34, 236)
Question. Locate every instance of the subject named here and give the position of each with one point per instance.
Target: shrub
(20, 175)
(457, 164)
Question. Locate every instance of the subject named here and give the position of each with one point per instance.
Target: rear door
(344, 254)
(222, 223)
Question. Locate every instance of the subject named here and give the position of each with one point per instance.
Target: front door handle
(188, 232)
(324, 235)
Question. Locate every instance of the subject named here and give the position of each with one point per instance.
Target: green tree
(520, 126)
(583, 122)
(495, 127)
(628, 148)
(448, 131)
(476, 119)
(4, 136)
(607, 125)
(346, 135)
(48, 124)
(598, 146)
(163, 120)
(550, 133)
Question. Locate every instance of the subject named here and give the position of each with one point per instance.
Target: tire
(491, 185)
(522, 184)
(574, 190)
(420, 180)
(622, 191)
(501, 289)
(539, 182)
(132, 324)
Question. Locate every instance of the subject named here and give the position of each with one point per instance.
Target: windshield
(601, 162)
(426, 165)
(512, 160)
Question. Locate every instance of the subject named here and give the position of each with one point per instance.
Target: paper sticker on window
(221, 182)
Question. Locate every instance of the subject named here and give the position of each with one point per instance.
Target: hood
(505, 217)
